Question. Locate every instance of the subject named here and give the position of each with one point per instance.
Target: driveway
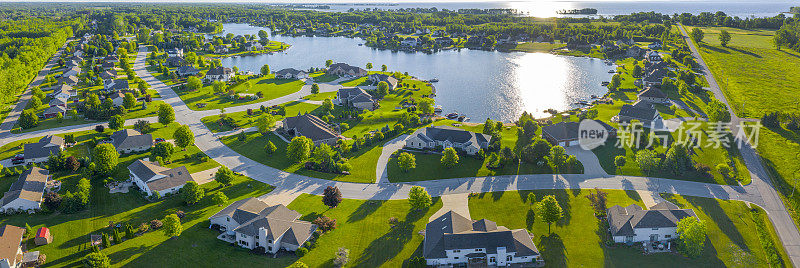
(458, 203)
(591, 165)
(381, 171)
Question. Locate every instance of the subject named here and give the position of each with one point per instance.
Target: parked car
(18, 157)
(158, 140)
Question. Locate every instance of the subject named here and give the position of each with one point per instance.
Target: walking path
(771, 202)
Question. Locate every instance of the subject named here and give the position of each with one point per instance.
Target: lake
(477, 83)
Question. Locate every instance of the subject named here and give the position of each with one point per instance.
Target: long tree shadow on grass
(712, 208)
(365, 209)
(553, 251)
(386, 247)
(563, 198)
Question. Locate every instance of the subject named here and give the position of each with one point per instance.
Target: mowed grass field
(755, 77)
(579, 238)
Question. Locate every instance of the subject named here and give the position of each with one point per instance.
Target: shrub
(301, 252)
(155, 224)
(325, 224)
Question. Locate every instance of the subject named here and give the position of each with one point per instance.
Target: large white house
(151, 177)
(311, 127)
(633, 224)
(26, 193)
(346, 70)
(291, 73)
(251, 223)
(446, 137)
(220, 74)
(452, 239)
(355, 97)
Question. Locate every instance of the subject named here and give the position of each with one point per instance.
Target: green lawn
(321, 96)
(364, 229)
(246, 121)
(755, 77)
(322, 77)
(270, 87)
(779, 150)
(579, 238)
(536, 47)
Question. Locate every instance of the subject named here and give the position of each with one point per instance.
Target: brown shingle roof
(10, 240)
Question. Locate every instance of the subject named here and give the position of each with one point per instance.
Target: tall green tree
(369, 65)
(724, 38)
(265, 69)
(28, 119)
(116, 122)
(129, 101)
(172, 225)
(166, 114)
(193, 83)
(105, 158)
(406, 161)
(299, 149)
(331, 196)
(163, 150)
(450, 157)
(224, 176)
(183, 137)
(692, 235)
(550, 211)
(96, 260)
(697, 35)
(314, 88)
(192, 192)
(419, 198)
(219, 198)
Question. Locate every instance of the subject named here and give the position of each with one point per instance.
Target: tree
(425, 105)
(677, 159)
(616, 81)
(331, 196)
(369, 65)
(419, 198)
(383, 90)
(28, 231)
(129, 101)
(647, 160)
(192, 192)
(529, 128)
(116, 122)
(450, 157)
(106, 241)
(218, 86)
(342, 257)
(265, 69)
(34, 103)
(224, 176)
(270, 148)
(557, 157)
(299, 149)
(327, 105)
(384, 67)
(692, 235)
(28, 119)
(193, 83)
(619, 161)
(96, 260)
(598, 200)
(324, 223)
(105, 158)
(265, 123)
(219, 198)
(724, 170)
(550, 210)
(183, 137)
(314, 88)
(172, 225)
(718, 111)
(298, 264)
(724, 38)
(697, 35)
(406, 161)
(163, 150)
(328, 63)
(531, 198)
(637, 71)
(99, 128)
(142, 126)
(165, 114)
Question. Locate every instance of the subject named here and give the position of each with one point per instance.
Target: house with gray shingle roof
(346, 70)
(291, 73)
(69, 80)
(565, 134)
(311, 127)
(453, 239)
(26, 193)
(131, 140)
(355, 97)
(150, 177)
(40, 151)
(377, 78)
(643, 111)
(654, 95)
(633, 224)
(446, 136)
(253, 223)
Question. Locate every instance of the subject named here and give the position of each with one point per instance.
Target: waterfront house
(565, 134)
(252, 224)
(356, 97)
(175, 52)
(311, 127)
(655, 45)
(253, 45)
(409, 42)
(150, 177)
(220, 74)
(131, 140)
(455, 240)
(653, 56)
(430, 138)
(345, 70)
(444, 41)
(654, 95)
(26, 193)
(184, 71)
(633, 224)
(377, 78)
(11, 246)
(642, 111)
(291, 73)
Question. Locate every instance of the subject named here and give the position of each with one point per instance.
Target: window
(509, 258)
(492, 259)
(229, 219)
(479, 250)
(456, 250)
(655, 229)
(455, 258)
(667, 236)
(269, 241)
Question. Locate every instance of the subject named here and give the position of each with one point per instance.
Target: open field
(270, 87)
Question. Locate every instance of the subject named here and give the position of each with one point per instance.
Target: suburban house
(444, 41)
(131, 140)
(343, 69)
(26, 193)
(291, 73)
(251, 223)
(355, 97)
(655, 45)
(111, 58)
(221, 49)
(115, 85)
(653, 56)
(175, 52)
(634, 52)
(219, 74)
(176, 61)
(108, 65)
(53, 111)
(69, 80)
(73, 71)
(311, 127)
(626, 42)
(186, 71)
(452, 240)
(40, 151)
(642, 111)
(653, 95)
(64, 91)
(409, 42)
(108, 74)
(59, 101)
(43, 236)
(446, 136)
(565, 134)
(253, 45)
(150, 177)
(11, 246)
(654, 76)
(633, 224)
(117, 98)
(377, 78)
